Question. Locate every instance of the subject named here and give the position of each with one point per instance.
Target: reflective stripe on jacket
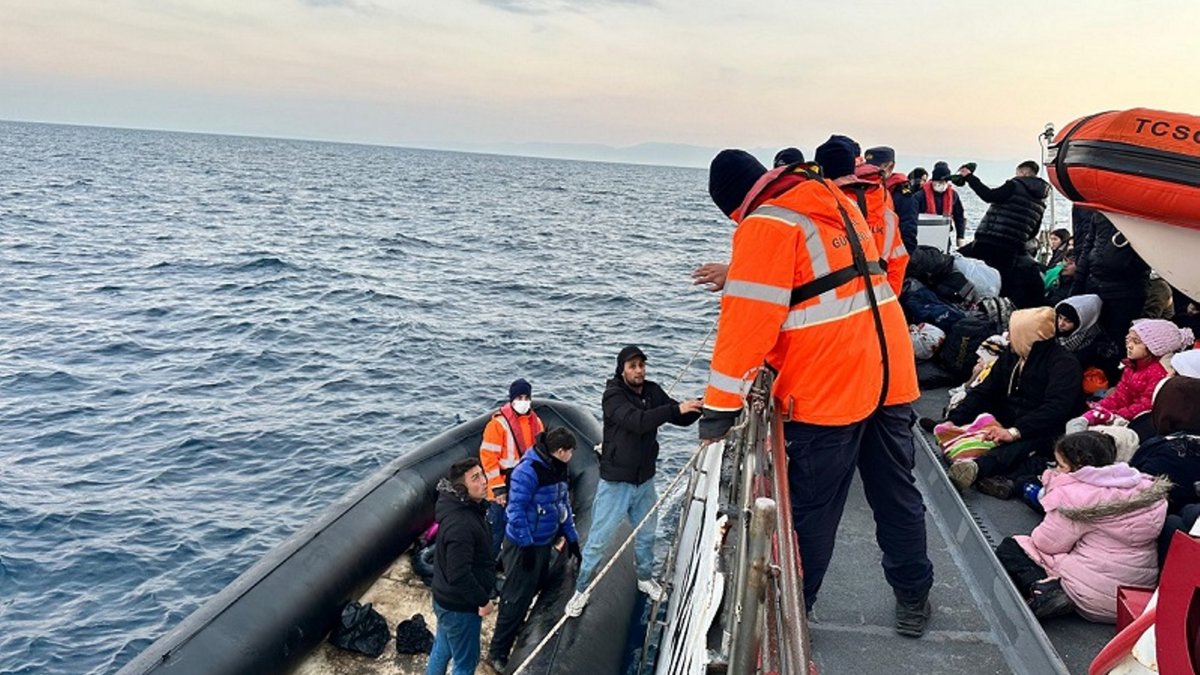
(502, 448)
(875, 203)
(825, 349)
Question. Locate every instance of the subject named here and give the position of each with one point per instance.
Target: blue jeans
(614, 503)
(457, 639)
(498, 520)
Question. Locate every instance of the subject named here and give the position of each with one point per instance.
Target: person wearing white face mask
(511, 432)
(938, 197)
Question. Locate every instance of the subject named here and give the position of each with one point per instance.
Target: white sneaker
(576, 604)
(651, 588)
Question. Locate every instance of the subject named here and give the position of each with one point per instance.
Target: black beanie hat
(519, 388)
(941, 171)
(788, 156)
(836, 156)
(730, 177)
(627, 353)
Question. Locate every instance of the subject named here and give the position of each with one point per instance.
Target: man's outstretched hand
(711, 274)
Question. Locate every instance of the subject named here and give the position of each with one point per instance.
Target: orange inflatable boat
(1142, 162)
(1140, 167)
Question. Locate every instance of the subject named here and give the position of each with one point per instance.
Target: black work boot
(912, 614)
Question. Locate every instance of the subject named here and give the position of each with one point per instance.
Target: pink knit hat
(1162, 337)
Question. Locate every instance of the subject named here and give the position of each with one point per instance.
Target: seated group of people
(1088, 411)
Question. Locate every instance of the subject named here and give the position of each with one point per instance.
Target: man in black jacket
(1032, 390)
(634, 409)
(1105, 264)
(1013, 217)
(464, 572)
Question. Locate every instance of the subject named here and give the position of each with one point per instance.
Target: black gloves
(715, 425)
(528, 558)
(574, 552)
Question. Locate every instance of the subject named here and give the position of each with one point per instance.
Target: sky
(963, 79)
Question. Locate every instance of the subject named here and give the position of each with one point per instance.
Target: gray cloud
(533, 7)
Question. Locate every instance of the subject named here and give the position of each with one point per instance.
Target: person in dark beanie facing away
(938, 197)
(634, 409)
(1013, 218)
(788, 156)
(903, 199)
(796, 237)
(464, 570)
(539, 512)
(508, 435)
(864, 185)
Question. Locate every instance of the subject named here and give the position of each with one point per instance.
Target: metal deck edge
(1022, 642)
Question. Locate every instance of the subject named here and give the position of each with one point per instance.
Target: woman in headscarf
(1033, 389)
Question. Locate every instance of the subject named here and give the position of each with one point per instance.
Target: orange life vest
(875, 203)
(506, 438)
(947, 200)
(796, 299)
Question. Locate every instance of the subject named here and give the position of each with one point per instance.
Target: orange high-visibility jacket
(505, 439)
(826, 347)
(875, 203)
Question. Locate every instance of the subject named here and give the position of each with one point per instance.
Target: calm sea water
(205, 340)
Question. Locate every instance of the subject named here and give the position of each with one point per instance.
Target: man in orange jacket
(864, 185)
(511, 432)
(806, 296)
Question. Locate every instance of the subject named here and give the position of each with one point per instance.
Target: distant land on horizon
(991, 170)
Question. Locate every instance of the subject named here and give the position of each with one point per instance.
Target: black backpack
(957, 355)
(361, 629)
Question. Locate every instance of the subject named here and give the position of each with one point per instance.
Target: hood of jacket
(1097, 492)
(1087, 307)
(1027, 326)
(451, 500)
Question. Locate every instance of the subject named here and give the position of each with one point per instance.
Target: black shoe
(498, 664)
(1050, 600)
(912, 614)
(996, 486)
(927, 423)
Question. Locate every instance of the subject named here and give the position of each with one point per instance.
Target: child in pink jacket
(1148, 341)
(1102, 523)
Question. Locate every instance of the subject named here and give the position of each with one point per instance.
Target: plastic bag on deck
(413, 637)
(985, 279)
(361, 629)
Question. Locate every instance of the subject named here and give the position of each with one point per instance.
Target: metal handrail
(781, 613)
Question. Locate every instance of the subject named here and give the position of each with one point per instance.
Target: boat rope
(663, 498)
(703, 343)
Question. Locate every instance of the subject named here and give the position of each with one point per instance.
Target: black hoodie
(464, 573)
(631, 422)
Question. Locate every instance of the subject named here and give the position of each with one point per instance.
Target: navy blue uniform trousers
(821, 463)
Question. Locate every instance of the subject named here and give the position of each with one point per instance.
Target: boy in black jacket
(464, 573)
